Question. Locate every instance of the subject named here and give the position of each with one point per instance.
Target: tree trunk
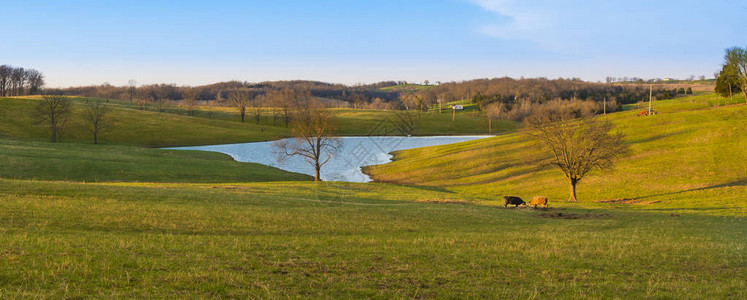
(54, 134)
(95, 138)
(573, 191)
(490, 125)
(317, 167)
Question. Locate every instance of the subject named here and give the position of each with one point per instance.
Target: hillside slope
(689, 157)
(130, 126)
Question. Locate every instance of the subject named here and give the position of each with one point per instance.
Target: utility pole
(650, 92)
(605, 105)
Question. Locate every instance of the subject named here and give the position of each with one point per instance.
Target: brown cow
(539, 200)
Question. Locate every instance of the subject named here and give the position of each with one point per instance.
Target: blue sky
(199, 42)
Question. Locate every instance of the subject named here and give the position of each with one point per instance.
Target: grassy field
(690, 158)
(128, 125)
(91, 163)
(274, 240)
(122, 221)
(365, 122)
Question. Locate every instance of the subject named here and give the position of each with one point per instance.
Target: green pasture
(123, 221)
(321, 240)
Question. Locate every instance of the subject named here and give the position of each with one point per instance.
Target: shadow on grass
(431, 188)
(657, 137)
(742, 182)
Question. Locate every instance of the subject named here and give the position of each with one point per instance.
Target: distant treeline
(509, 90)
(218, 91)
(514, 94)
(19, 81)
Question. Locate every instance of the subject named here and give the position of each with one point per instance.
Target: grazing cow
(540, 200)
(513, 200)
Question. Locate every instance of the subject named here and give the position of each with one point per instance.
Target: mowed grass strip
(689, 158)
(70, 240)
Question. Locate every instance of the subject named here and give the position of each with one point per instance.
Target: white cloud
(536, 22)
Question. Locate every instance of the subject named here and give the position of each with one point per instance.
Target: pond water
(356, 152)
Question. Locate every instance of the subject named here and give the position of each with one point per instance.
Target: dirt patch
(627, 201)
(444, 201)
(229, 187)
(646, 202)
(562, 215)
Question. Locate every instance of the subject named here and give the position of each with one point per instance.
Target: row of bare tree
(54, 112)
(358, 94)
(280, 103)
(19, 81)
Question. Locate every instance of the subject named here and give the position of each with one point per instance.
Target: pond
(356, 152)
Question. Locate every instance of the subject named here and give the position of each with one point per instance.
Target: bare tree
(312, 129)
(155, 96)
(18, 78)
(190, 100)
(210, 108)
(272, 101)
(258, 107)
(5, 73)
(494, 110)
(576, 145)
(240, 101)
(141, 102)
(219, 97)
(288, 101)
(407, 100)
(53, 112)
(131, 88)
(35, 81)
(95, 118)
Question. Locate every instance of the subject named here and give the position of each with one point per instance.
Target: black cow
(514, 201)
